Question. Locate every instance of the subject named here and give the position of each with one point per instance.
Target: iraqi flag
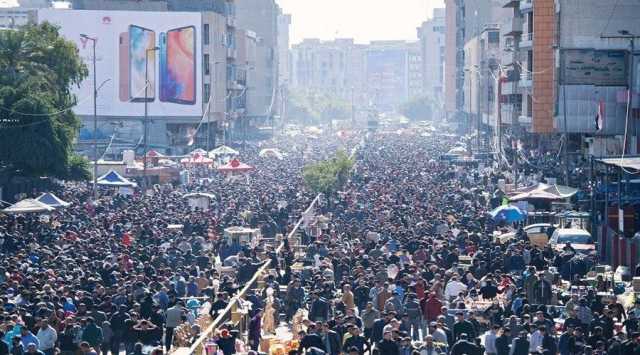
(600, 116)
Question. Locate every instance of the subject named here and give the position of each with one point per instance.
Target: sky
(363, 20)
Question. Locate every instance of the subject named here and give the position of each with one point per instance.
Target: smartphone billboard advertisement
(152, 57)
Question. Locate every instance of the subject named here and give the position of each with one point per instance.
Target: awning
(52, 200)
(626, 162)
(112, 178)
(543, 192)
(28, 205)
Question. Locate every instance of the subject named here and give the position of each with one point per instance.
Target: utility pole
(146, 114)
(211, 91)
(95, 118)
(624, 34)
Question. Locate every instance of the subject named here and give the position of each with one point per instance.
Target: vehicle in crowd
(579, 239)
(538, 234)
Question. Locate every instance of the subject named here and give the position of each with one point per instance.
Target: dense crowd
(408, 265)
(405, 264)
(115, 275)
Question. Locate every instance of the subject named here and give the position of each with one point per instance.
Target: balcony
(513, 26)
(526, 80)
(527, 40)
(525, 120)
(231, 21)
(526, 6)
(232, 53)
(510, 56)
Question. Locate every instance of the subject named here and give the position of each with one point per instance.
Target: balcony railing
(527, 40)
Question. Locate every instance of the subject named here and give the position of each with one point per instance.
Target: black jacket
(465, 347)
(334, 343)
(388, 347)
(357, 341)
(310, 340)
(503, 344)
(463, 327)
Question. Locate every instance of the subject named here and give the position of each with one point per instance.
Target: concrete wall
(450, 57)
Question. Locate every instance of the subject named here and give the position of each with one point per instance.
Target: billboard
(387, 77)
(131, 48)
(594, 67)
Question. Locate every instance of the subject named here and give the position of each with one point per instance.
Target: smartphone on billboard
(123, 67)
(141, 40)
(178, 66)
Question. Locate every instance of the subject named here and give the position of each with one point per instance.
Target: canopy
(198, 195)
(223, 150)
(112, 178)
(271, 153)
(543, 192)
(198, 151)
(457, 151)
(196, 159)
(508, 214)
(235, 166)
(52, 200)
(28, 205)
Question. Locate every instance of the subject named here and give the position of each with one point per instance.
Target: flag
(126, 239)
(600, 116)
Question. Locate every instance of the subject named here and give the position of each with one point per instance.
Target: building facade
(432, 40)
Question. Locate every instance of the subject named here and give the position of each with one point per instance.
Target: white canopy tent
(223, 150)
(28, 205)
(52, 200)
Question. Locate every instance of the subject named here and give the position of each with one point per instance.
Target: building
(451, 65)
(261, 17)
(13, 17)
(334, 68)
(284, 62)
(216, 85)
(415, 70)
(432, 40)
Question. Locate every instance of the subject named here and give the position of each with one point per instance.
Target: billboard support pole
(95, 119)
(146, 114)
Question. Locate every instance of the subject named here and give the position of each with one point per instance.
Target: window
(207, 91)
(494, 37)
(205, 33)
(206, 64)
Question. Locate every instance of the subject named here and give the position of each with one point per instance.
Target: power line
(610, 17)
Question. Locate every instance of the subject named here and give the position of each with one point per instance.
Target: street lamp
(146, 112)
(95, 117)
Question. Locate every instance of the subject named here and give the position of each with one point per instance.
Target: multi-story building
(415, 70)
(432, 39)
(451, 67)
(332, 67)
(284, 62)
(387, 74)
(261, 17)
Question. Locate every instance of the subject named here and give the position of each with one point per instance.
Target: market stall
(52, 200)
(199, 200)
(28, 205)
(271, 153)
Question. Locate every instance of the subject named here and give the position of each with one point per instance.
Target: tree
(418, 109)
(328, 176)
(37, 127)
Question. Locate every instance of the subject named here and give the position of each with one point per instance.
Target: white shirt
(47, 338)
(535, 341)
(490, 342)
(454, 288)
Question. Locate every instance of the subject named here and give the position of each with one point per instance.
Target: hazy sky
(363, 20)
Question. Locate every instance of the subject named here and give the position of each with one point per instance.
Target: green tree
(328, 176)
(37, 70)
(418, 109)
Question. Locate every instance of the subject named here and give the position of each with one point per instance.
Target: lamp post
(146, 112)
(95, 117)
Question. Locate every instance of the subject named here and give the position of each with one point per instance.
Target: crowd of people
(113, 275)
(406, 264)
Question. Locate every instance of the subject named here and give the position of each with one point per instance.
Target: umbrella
(223, 150)
(457, 151)
(508, 214)
(28, 205)
(198, 195)
(271, 152)
(52, 200)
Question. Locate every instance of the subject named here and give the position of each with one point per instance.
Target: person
(26, 338)
(520, 344)
(503, 342)
(47, 338)
(462, 326)
(369, 317)
(173, 319)
(4, 346)
(255, 329)
(490, 338)
(414, 313)
(354, 339)
(86, 349)
(309, 339)
(330, 340)
(226, 342)
(464, 347)
(387, 345)
(92, 333)
(32, 349)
